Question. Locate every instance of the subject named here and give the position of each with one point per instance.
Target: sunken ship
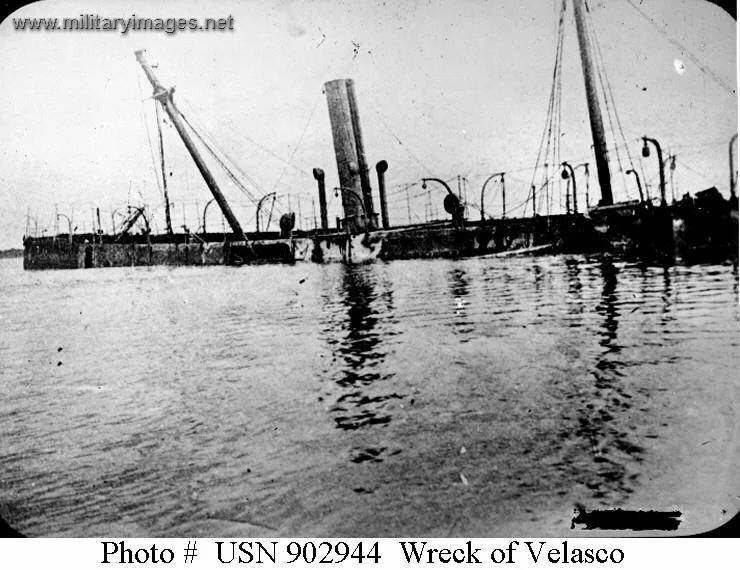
(693, 228)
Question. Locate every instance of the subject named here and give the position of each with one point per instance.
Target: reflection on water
(462, 326)
(409, 398)
(358, 350)
(609, 401)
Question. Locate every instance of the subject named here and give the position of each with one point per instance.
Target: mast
(167, 215)
(594, 109)
(164, 96)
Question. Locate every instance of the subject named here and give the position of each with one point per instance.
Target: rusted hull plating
(410, 242)
(652, 232)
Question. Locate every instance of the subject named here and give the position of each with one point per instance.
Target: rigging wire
(204, 133)
(288, 163)
(558, 128)
(161, 146)
(246, 138)
(600, 73)
(608, 96)
(148, 135)
(400, 142)
(168, 219)
(298, 145)
(303, 134)
(703, 175)
(200, 137)
(702, 67)
(221, 162)
(552, 159)
(552, 112)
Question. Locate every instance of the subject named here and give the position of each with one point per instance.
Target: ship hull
(661, 233)
(434, 240)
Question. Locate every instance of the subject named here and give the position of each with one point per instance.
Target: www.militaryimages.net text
(94, 23)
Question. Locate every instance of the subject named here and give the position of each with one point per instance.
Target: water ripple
(415, 397)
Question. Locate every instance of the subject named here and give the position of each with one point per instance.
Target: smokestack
(350, 152)
(318, 174)
(367, 191)
(380, 168)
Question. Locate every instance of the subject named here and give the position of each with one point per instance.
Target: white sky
(463, 84)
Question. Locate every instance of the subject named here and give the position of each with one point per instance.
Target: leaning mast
(164, 96)
(594, 109)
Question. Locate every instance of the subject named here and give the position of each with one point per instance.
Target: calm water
(474, 397)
